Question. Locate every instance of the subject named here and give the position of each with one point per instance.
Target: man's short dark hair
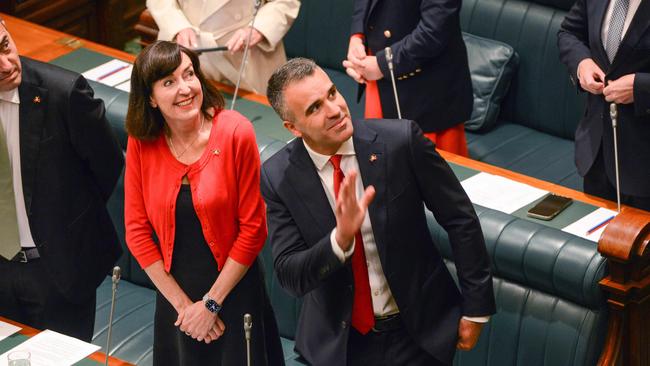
(295, 69)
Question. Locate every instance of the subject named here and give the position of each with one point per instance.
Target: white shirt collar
(10, 96)
(347, 148)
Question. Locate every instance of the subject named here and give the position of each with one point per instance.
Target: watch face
(212, 306)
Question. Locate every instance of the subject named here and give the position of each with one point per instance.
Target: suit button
(647, 110)
(387, 33)
(371, 27)
(344, 324)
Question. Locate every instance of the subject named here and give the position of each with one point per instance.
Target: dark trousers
(28, 295)
(389, 348)
(596, 183)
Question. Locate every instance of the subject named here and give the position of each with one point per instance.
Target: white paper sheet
(7, 329)
(582, 226)
(499, 193)
(50, 348)
(111, 73)
(126, 86)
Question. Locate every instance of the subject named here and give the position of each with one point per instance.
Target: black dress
(195, 270)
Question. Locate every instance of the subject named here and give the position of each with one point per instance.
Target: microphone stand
(258, 3)
(613, 113)
(116, 279)
(389, 60)
(248, 324)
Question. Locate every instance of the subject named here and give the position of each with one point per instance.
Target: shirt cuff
(340, 254)
(477, 319)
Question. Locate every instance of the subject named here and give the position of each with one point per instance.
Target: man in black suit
(58, 166)
(375, 288)
(429, 57)
(606, 46)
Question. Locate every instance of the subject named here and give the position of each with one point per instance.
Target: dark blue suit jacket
(429, 55)
(70, 163)
(300, 221)
(579, 38)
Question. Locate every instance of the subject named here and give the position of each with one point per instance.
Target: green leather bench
(534, 133)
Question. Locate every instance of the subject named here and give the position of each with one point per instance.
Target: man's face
(320, 114)
(10, 68)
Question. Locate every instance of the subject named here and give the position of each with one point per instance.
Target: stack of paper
(50, 348)
(115, 73)
(499, 193)
(7, 329)
(591, 227)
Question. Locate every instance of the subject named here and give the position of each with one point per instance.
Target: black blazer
(429, 56)
(579, 38)
(300, 221)
(70, 162)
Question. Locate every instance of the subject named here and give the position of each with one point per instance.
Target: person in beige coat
(212, 23)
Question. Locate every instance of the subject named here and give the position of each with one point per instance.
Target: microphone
(389, 60)
(199, 51)
(117, 272)
(613, 113)
(258, 3)
(248, 324)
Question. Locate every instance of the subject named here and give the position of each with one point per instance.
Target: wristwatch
(211, 305)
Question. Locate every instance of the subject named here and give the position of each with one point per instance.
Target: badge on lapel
(373, 158)
(37, 100)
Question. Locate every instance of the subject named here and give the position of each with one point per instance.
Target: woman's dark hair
(155, 62)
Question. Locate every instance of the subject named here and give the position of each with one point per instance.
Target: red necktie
(363, 318)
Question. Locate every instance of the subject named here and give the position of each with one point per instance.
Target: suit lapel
(637, 28)
(372, 160)
(599, 10)
(33, 103)
(305, 181)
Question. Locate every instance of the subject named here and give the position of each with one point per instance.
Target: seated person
(200, 23)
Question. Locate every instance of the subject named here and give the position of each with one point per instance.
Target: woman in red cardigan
(194, 214)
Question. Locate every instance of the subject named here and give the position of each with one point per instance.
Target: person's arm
(573, 41)
(642, 94)
(197, 320)
(274, 20)
(446, 199)
(92, 137)
(427, 41)
(169, 17)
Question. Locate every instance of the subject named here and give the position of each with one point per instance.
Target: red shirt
(225, 191)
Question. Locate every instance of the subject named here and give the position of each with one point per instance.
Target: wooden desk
(625, 241)
(97, 356)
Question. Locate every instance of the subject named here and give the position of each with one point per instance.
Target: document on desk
(7, 329)
(499, 193)
(50, 348)
(111, 73)
(591, 227)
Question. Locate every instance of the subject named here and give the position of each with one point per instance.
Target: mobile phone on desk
(549, 207)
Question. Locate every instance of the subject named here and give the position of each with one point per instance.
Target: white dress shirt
(631, 10)
(383, 303)
(9, 118)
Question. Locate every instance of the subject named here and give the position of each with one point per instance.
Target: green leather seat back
(550, 310)
(540, 96)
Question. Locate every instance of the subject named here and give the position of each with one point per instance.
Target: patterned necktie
(616, 24)
(363, 317)
(9, 239)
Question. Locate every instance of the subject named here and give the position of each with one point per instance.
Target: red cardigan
(225, 192)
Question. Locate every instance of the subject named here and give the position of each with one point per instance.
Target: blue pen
(600, 225)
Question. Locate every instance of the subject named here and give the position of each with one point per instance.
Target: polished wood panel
(97, 356)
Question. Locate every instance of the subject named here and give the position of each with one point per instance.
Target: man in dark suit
(375, 288)
(606, 46)
(430, 61)
(59, 163)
